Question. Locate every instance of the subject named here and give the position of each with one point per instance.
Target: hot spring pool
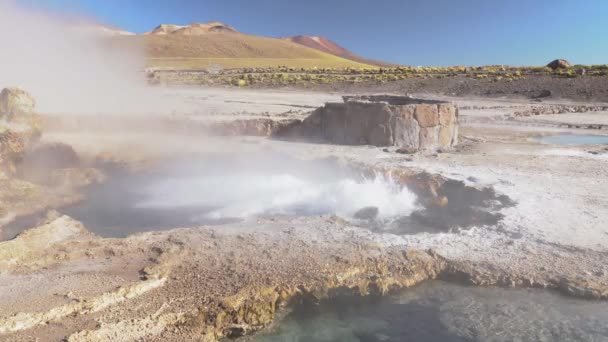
(444, 312)
(574, 139)
(221, 189)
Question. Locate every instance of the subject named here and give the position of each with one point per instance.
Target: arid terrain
(196, 182)
(512, 212)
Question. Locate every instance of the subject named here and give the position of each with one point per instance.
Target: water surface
(574, 139)
(443, 312)
(209, 190)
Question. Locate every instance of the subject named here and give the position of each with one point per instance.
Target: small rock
(541, 94)
(406, 150)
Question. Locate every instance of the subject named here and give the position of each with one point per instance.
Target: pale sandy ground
(558, 228)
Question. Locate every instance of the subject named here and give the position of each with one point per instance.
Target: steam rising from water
(241, 195)
(68, 67)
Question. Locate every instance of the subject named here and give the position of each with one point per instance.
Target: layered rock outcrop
(405, 122)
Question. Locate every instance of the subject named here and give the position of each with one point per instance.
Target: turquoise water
(574, 139)
(443, 312)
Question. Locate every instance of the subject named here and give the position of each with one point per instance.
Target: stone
(426, 115)
(559, 64)
(40, 163)
(446, 135)
(541, 94)
(407, 150)
(363, 119)
(447, 115)
(15, 101)
(335, 122)
(380, 130)
(12, 149)
(406, 131)
(380, 136)
(379, 120)
(17, 114)
(429, 137)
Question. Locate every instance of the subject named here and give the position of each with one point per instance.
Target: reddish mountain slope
(325, 45)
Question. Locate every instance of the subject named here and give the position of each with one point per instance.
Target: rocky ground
(530, 87)
(58, 281)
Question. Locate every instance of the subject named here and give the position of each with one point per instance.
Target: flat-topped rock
(381, 120)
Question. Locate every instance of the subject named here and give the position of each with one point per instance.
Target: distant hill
(328, 46)
(215, 44)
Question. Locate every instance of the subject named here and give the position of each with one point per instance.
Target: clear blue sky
(414, 32)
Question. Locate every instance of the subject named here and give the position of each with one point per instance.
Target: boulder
(559, 64)
(335, 123)
(41, 162)
(382, 120)
(447, 125)
(406, 130)
(426, 115)
(14, 102)
(429, 137)
(12, 148)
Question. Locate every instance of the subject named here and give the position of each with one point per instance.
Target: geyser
(219, 189)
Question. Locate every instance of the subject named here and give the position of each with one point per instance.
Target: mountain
(204, 45)
(323, 44)
(164, 29)
(112, 31)
(95, 28)
(328, 46)
(194, 29)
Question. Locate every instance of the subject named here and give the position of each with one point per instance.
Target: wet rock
(42, 161)
(367, 213)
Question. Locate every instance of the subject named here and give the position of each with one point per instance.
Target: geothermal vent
(405, 122)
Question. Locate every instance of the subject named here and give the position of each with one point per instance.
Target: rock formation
(19, 126)
(381, 121)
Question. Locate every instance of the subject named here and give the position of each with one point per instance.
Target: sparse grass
(307, 72)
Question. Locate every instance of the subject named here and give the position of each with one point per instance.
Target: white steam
(68, 66)
(242, 195)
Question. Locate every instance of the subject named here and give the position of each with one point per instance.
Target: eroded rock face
(19, 126)
(15, 102)
(381, 121)
(12, 148)
(41, 161)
